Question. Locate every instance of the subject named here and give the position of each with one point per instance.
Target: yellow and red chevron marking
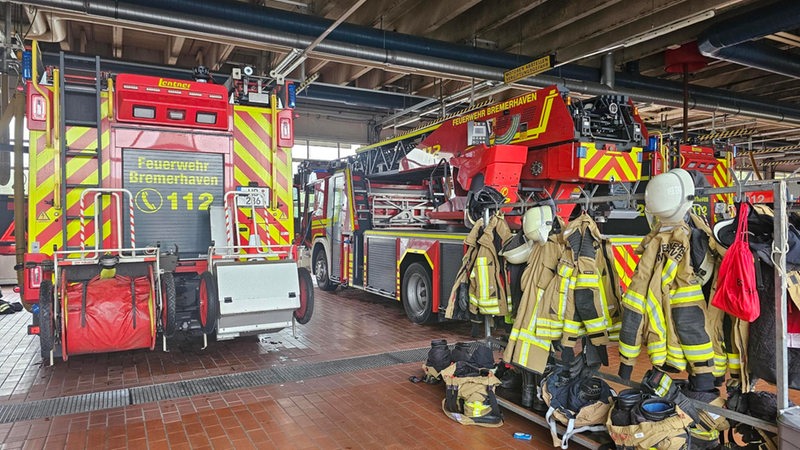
(252, 162)
(625, 258)
(45, 226)
(606, 165)
(722, 178)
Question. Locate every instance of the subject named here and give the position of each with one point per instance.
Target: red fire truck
(157, 206)
(391, 220)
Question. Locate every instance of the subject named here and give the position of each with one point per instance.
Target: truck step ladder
(362, 209)
(81, 166)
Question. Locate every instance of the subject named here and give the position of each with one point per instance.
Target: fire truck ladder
(80, 103)
(363, 213)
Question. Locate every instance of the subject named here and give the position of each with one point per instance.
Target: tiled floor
(376, 408)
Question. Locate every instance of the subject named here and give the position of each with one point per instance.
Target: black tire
(168, 304)
(417, 293)
(208, 302)
(46, 320)
(306, 310)
(321, 272)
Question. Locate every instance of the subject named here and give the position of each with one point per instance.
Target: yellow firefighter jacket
(728, 350)
(487, 288)
(525, 348)
(590, 297)
(664, 307)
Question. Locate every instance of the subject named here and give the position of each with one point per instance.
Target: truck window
(319, 199)
(339, 197)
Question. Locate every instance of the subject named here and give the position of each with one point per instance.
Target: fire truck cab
(157, 206)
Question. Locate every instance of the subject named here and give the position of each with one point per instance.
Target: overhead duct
(45, 27)
(204, 19)
(607, 67)
(730, 40)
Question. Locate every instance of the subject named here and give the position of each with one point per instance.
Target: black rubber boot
(538, 404)
(528, 389)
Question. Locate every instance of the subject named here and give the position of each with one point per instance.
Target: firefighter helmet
(669, 196)
(517, 249)
(537, 223)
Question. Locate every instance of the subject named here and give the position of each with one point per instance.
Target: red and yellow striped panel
(722, 178)
(606, 165)
(625, 258)
(45, 228)
(253, 159)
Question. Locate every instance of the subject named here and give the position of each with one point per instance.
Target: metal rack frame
(782, 196)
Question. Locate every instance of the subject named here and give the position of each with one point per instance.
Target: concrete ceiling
(575, 31)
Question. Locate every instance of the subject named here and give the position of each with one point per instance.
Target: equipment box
(256, 296)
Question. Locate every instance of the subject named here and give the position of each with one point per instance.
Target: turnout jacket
(589, 299)
(664, 307)
(525, 348)
(482, 271)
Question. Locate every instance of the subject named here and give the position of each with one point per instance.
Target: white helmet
(537, 223)
(517, 249)
(669, 196)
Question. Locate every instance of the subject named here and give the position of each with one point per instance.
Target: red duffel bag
(736, 291)
(108, 315)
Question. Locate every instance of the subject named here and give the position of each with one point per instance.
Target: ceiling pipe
(607, 69)
(573, 77)
(729, 40)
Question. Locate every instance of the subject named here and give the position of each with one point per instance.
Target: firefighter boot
(528, 389)
(538, 403)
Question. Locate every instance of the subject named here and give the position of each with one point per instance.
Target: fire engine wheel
(321, 272)
(208, 301)
(46, 320)
(417, 293)
(168, 303)
(306, 310)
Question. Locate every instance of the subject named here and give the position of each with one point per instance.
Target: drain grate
(64, 405)
(179, 389)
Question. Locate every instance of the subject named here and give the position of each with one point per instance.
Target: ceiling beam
(116, 42)
(173, 49)
(222, 52)
(548, 17)
(479, 20)
(434, 15)
(665, 12)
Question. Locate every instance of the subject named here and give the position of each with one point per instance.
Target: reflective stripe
(656, 317)
(550, 323)
(483, 276)
(695, 353)
(633, 301)
(629, 351)
(587, 280)
(596, 325)
(689, 294)
(663, 386)
(669, 272)
(525, 337)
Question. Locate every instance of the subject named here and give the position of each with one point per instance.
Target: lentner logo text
(173, 84)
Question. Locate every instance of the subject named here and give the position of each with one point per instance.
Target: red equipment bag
(736, 285)
(109, 315)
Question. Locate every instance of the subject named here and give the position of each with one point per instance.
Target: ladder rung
(88, 153)
(82, 185)
(81, 123)
(81, 88)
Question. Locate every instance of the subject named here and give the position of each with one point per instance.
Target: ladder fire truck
(391, 220)
(157, 206)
